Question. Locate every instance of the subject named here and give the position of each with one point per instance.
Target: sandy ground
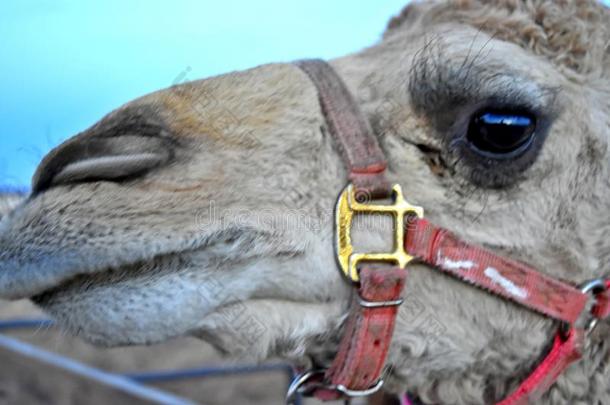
(25, 382)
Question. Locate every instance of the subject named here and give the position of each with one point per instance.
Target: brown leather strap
(358, 145)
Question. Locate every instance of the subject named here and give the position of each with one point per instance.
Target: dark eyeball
(501, 134)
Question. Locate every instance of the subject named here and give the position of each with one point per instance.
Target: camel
(206, 209)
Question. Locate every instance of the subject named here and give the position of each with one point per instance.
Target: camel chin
(123, 306)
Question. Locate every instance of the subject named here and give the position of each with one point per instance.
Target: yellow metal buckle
(347, 206)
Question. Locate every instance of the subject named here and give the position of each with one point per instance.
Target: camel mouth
(86, 280)
(50, 274)
(138, 303)
(123, 305)
(64, 235)
(52, 270)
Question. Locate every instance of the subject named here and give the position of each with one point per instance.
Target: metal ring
(296, 386)
(594, 287)
(379, 304)
(363, 393)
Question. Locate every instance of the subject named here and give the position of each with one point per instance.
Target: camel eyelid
(439, 86)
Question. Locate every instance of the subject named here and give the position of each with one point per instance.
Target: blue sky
(66, 63)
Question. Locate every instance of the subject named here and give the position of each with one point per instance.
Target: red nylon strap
(564, 352)
(364, 158)
(368, 332)
(507, 278)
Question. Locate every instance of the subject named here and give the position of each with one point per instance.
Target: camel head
(206, 209)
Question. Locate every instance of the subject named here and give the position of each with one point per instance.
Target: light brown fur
(206, 208)
(571, 34)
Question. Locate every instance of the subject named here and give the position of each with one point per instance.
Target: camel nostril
(86, 159)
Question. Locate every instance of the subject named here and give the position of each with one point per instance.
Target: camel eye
(501, 134)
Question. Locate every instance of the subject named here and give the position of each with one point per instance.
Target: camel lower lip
(83, 280)
(49, 269)
(71, 283)
(86, 279)
(38, 282)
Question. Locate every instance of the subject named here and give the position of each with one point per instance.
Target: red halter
(360, 360)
